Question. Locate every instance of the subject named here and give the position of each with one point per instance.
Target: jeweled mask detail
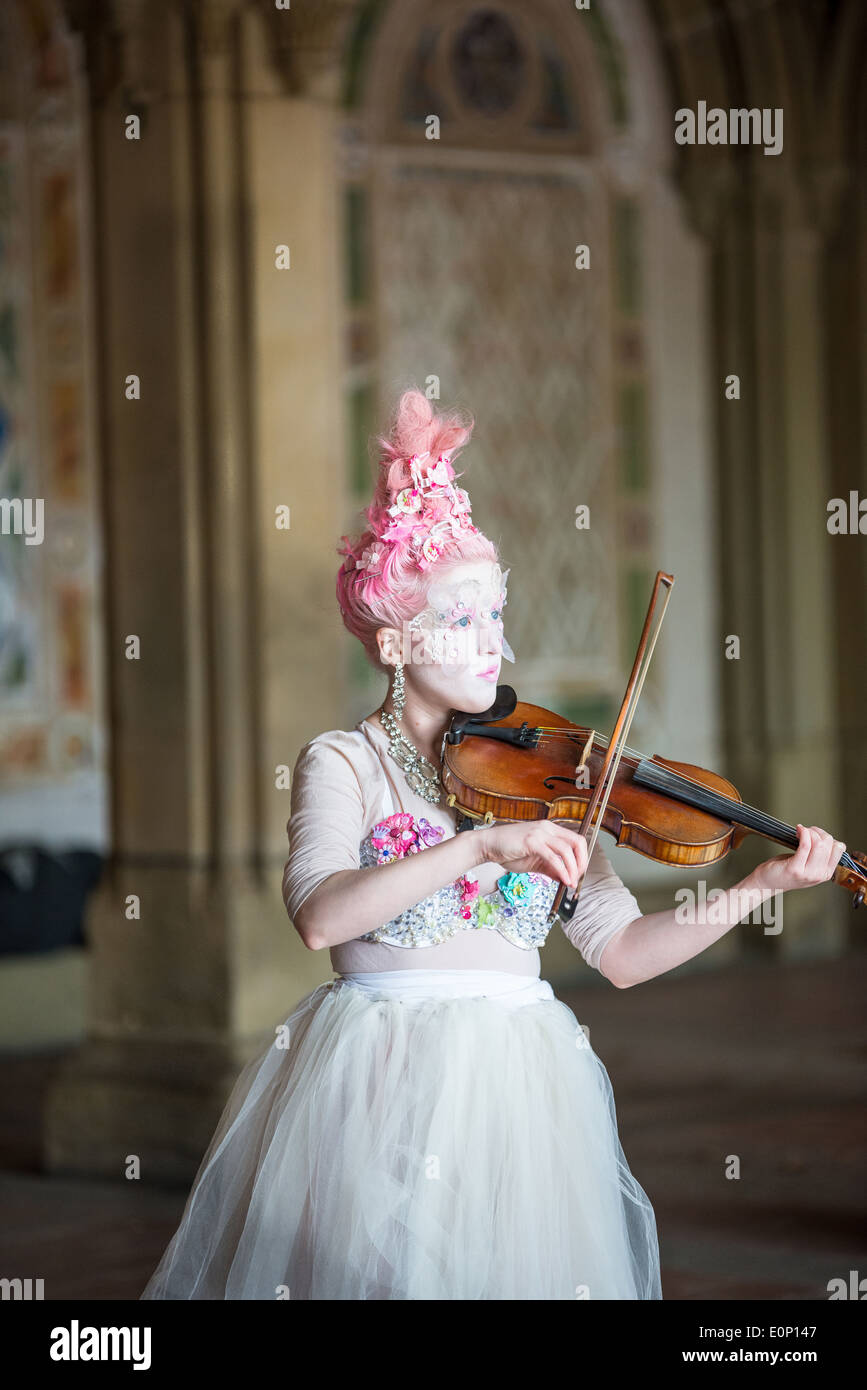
(464, 618)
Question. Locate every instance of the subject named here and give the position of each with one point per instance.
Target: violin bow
(564, 904)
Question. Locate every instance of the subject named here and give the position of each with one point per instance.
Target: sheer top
(343, 786)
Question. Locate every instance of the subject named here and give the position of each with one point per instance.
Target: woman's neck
(423, 725)
(425, 729)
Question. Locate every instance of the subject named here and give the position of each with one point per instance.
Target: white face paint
(456, 643)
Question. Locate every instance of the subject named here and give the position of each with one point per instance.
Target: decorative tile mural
(49, 699)
(480, 289)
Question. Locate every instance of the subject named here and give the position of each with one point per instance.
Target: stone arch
(412, 38)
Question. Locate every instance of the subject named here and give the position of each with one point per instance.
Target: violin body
(540, 784)
(523, 762)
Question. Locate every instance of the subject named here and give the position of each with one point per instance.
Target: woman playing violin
(432, 1123)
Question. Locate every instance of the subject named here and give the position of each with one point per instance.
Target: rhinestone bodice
(434, 919)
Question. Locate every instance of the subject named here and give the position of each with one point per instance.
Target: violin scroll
(851, 873)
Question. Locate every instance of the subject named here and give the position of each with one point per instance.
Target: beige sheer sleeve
(327, 814)
(605, 907)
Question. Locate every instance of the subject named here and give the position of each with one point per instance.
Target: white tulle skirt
(418, 1134)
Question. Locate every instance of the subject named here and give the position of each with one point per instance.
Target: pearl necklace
(421, 775)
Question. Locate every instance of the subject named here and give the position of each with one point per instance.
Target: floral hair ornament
(430, 511)
(370, 558)
(465, 609)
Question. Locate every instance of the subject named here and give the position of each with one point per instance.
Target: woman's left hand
(814, 861)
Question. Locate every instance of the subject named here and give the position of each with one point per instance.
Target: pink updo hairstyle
(394, 596)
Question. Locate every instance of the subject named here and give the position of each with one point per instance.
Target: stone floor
(762, 1062)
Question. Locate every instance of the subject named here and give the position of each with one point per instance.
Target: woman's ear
(388, 641)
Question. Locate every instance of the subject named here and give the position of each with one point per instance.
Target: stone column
(187, 300)
(845, 311)
(805, 756)
(773, 480)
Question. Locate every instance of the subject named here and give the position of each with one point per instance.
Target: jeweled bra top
(517, 908)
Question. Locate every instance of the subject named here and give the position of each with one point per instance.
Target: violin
(519, 761)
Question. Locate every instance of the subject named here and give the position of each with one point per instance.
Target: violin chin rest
(505, 701)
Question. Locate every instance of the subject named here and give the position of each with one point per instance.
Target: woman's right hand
(536, 846)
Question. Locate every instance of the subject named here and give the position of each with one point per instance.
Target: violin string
(759, 820)
(770, 822)
(546, 731)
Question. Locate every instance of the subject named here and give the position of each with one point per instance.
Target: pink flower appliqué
(469, 889)
(400, 834)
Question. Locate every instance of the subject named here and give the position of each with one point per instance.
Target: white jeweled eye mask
(457, 614)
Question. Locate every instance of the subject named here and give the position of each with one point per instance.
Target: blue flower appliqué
(516, 888)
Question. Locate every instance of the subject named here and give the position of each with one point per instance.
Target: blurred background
(230, 235)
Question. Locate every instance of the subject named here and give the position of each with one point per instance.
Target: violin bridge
(585, 751)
